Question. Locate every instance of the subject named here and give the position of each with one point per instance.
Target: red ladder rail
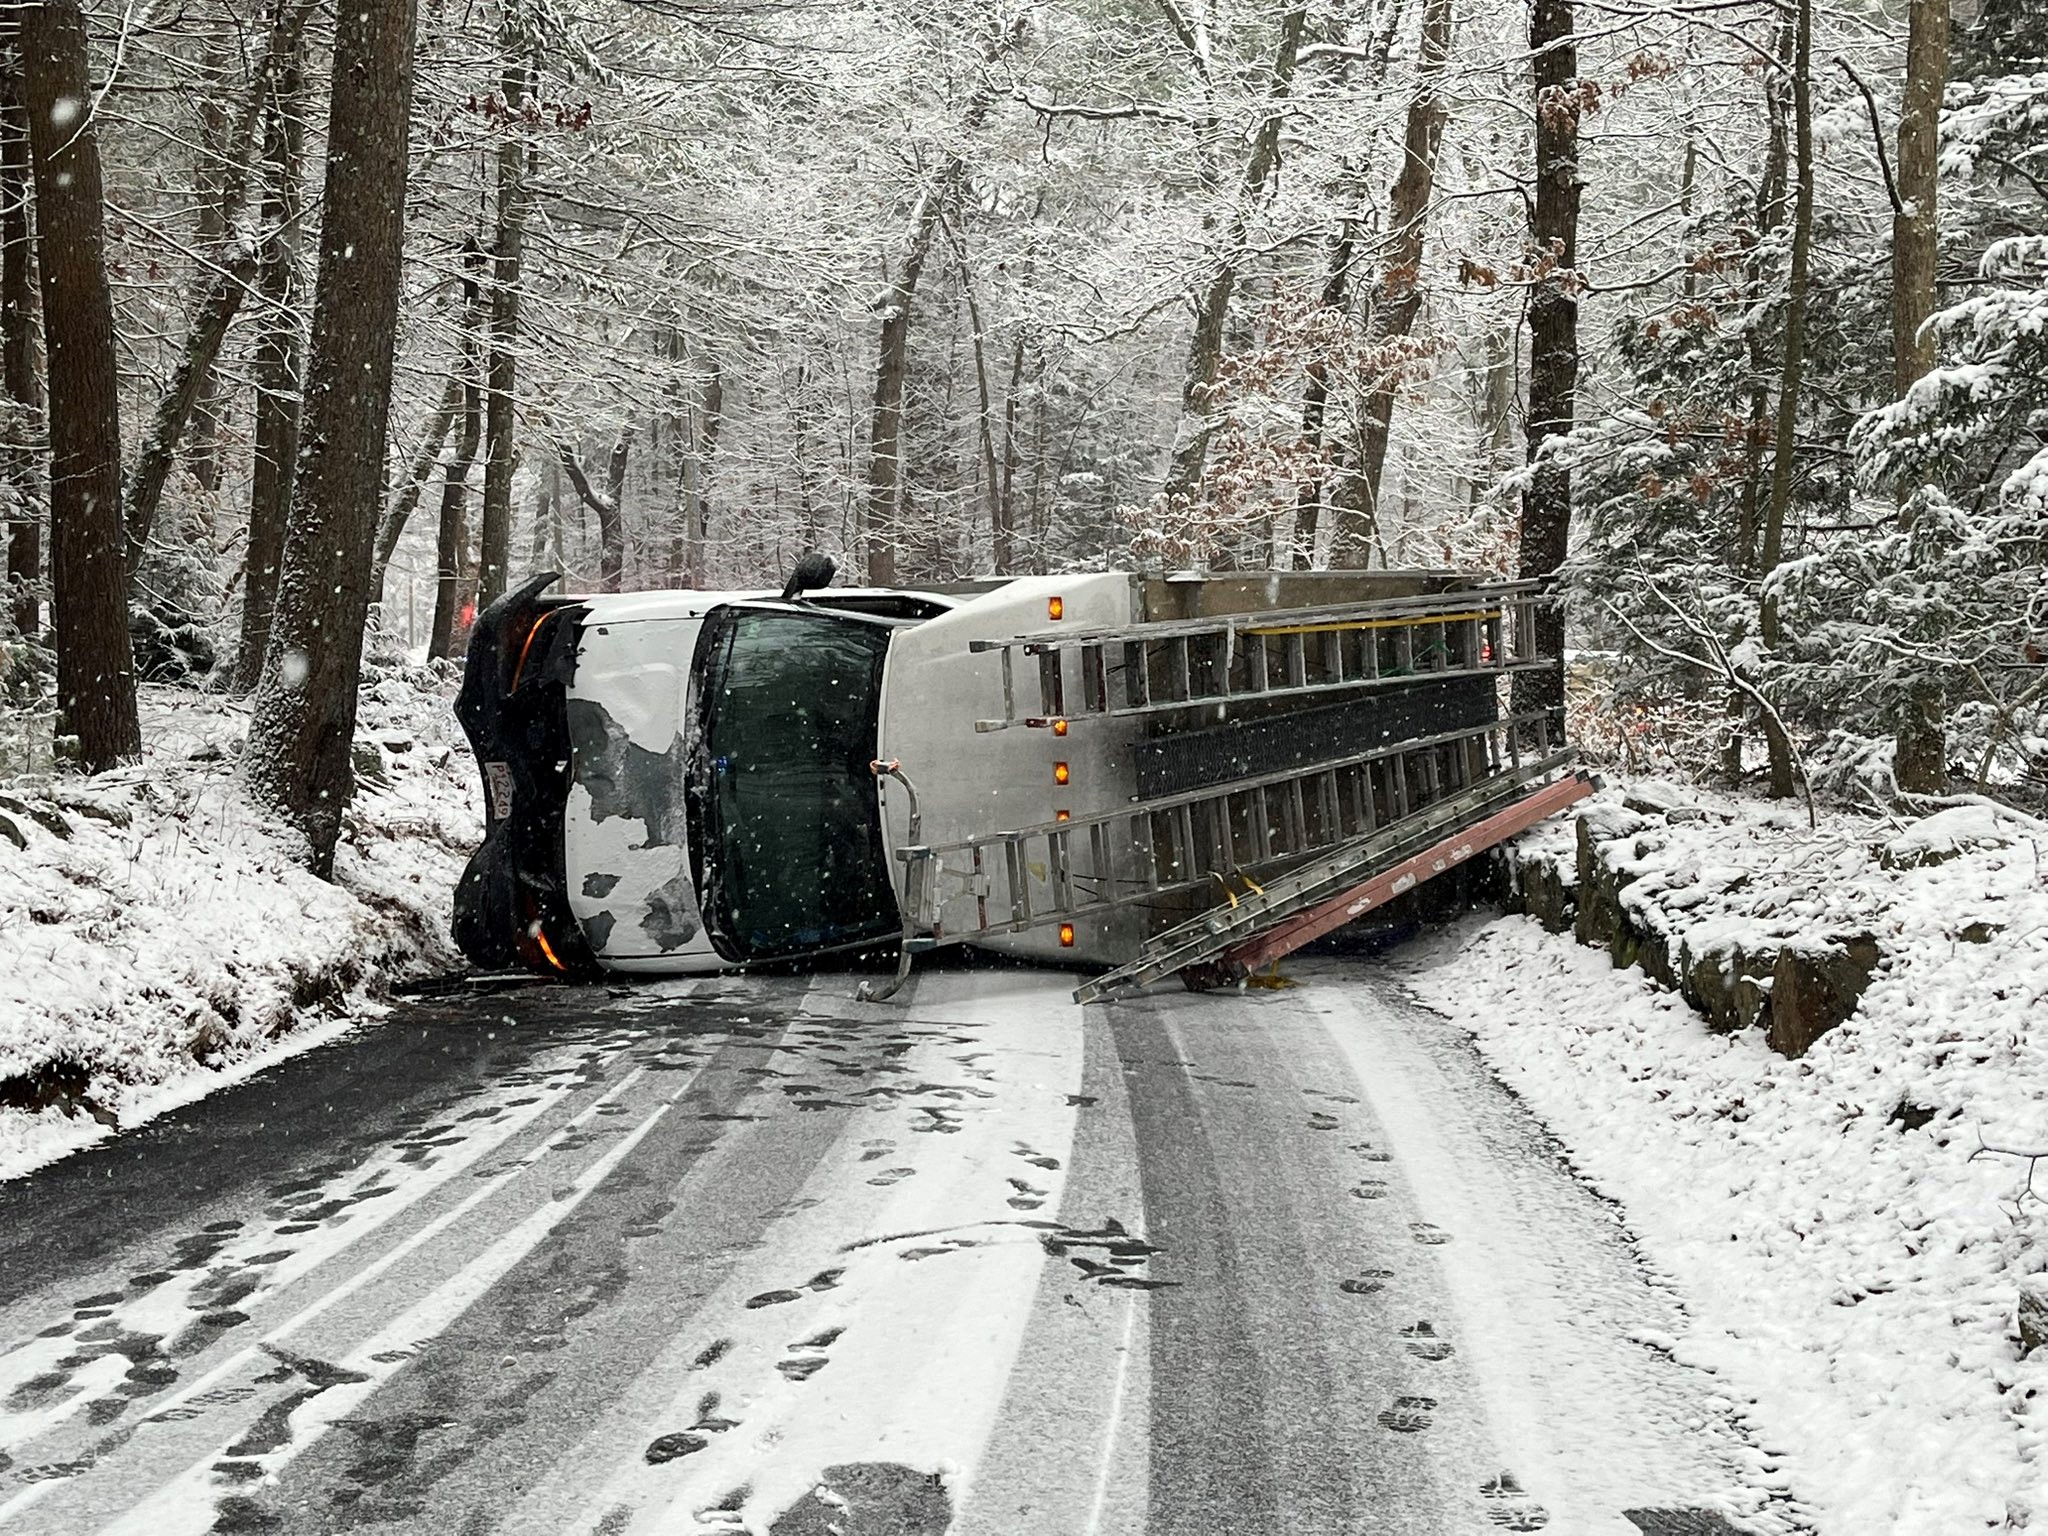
(1286, 937)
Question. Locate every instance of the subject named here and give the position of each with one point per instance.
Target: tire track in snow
(914, 1292)
(337, 1300)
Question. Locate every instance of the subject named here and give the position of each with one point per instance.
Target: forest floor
(162, 939)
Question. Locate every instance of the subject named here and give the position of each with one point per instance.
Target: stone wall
(1697, 937)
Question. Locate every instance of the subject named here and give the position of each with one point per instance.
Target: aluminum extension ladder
(1330, 889)
(1299, 653)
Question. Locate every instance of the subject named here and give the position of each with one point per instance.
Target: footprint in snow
(1318, 1121)
(807, 1357)
(1424, 1343)
(890, 1176)
(1508, 1507)
(1424, 1232)
(1408, 1414)
(673, 1446)
(1371, 1189)
(1366, 1282)
(1028, 1196)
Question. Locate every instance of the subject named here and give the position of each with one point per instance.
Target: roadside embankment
(1790, 1088)
(160, 934)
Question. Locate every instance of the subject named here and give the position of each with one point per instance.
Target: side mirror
(812, 571)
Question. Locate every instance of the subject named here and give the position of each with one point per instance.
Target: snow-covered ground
(1848, 1262)
(1850, 1268)
(162, 938)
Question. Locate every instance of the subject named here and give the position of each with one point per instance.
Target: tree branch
(1884, 163)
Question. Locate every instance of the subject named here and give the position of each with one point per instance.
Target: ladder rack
(1158, 668)
(1331, 889)
(1064, 871)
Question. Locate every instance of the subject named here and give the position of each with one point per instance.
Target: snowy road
(749, 1255)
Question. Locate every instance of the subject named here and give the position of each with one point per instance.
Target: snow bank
(158, 932)
(1849, 1262)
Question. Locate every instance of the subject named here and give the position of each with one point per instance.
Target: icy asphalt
(749, 1255)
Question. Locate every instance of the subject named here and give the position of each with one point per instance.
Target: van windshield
(785, 826)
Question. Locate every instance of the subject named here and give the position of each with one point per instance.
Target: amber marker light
(1059, 727)
(549, 950)
(1060, 774)
(1062, 815)
(1066, 935)
(1056, 608)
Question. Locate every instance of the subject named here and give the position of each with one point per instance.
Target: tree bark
(1398, 296)
(608, 504)
(407, 495)
(1920, 756)
(507, 261)
(1784, 447)
(885, 420)
(303, 724)
(20, 382)
(204, 448)
(1770, 213)
(711, 418)
(1205, 348)
(89, 576)
(1916, 224)
(1553, 335)
(174, 409)
(277, 364)
(451, 560)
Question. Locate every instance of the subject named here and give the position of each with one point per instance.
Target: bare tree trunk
(984, 421)
(454, 575)
(558, 556)
(1553, 334)
(88, 574)
(221, 298)
(407, 495)
(1920, 755)
(885, 421)
(609, 504)
(1784, 450)
(1006, 497)
(277, 366)
(711, 416)
(800, 414)
(452, 569)
(1398, 296)
(203, 451)
(303, 724)
(508, 257)
(1493, 425)
(1916, 224)
(1205, 349)
(543, 512)
(1315, 396)
(20, 382)
(189, 380)
(1770, 213)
